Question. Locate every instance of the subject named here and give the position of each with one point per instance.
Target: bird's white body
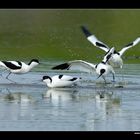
(58, 81)
(116, 60)
(26, 68)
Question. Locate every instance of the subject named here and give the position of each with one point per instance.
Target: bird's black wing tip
(130, 44)
(86, 31)
(61, 67)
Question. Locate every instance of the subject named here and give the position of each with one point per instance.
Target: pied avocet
(58, 81)
(102, 68)
(116, 60)
(18, 67)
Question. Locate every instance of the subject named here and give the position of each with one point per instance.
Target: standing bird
(58, 81)
(102, 68)
(116, 60)
(18, 67)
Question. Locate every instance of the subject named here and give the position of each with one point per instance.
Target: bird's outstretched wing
(92, 38)
(79, 65)
(135, 42)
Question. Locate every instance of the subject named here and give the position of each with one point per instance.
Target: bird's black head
(33, 60)
(115, 52)
(46, 77)
(102, 71)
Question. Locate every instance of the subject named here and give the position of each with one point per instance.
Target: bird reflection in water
(20, 105)
(107, 101)
(59, 95)
(17, 97)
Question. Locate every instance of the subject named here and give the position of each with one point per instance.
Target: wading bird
(18, 67)
(58, 81)
(102, 68)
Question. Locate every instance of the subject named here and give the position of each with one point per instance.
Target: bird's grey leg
(104, 79)
(8, 75)
(2, 73)
(8, 78)
(113, 77)
(8, 91)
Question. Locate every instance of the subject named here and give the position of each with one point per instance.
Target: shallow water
(90, 106)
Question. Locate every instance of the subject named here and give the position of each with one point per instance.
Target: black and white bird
(59, 81)
(18, 67)
(116, 60)
(102, 68)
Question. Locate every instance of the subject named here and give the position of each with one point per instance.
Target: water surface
(90, 106)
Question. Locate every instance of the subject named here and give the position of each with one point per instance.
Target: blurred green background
(51, 34)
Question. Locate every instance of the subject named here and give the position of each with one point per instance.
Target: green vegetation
(56, 34)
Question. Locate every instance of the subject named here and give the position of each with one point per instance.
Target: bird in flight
(116, 59)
